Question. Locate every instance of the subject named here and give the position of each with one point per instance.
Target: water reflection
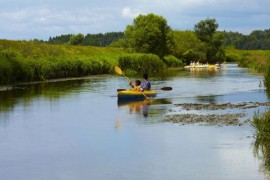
(142, 107)
(24, 94)
(78, 129)
(207, 99)
(138, 107)
(268, 93)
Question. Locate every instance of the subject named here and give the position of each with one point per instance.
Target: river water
(77, 129)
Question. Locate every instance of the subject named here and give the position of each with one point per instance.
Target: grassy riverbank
(258, 60)
(254, 59)
(24, 61)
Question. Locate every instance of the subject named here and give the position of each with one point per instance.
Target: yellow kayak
(133, 94)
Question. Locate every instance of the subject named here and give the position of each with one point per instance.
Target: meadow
(25, 61)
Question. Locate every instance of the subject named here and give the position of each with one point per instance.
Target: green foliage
(5, 71)
(149, 34)
(31, 61)
(102, 39)
(261, 124)
(267, 77)
(232, 58)
(62, 39)
(188, 47)
(206, 32)
(76, 39)
(90, 39)
(120, 43)
(192, 55)
(254, 59)
(12, 68)
(232, 39)
(172, 61)
(254, 41)
(206, 29)
(141, 63)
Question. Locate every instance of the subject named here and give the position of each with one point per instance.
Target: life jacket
(137, 88)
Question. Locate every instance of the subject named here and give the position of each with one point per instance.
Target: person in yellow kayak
(136, 86)
(146, 85)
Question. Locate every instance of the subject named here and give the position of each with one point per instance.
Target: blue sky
(41, 19)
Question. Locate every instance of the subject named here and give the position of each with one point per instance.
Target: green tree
(76, 39)
(188, 47)
(62, 39)
(149, 34)
(206, 31)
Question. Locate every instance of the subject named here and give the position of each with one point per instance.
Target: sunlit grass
(31, 61)
(255, 59)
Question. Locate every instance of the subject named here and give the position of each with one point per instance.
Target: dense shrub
(141, 62)
(5, 71)
(62, 67)
(12, 68)
(232, 58)
(172, 61)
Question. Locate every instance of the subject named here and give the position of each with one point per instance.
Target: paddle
(163, 89)
(120, 72)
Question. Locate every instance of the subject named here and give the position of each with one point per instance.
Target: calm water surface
(78, 130)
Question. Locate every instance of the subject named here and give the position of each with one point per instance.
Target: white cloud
(41, 19)
(128, 12)
(43, 22)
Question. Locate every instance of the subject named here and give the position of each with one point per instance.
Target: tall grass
(254, 59)
(261, 124)
(31, 61)
(267, 77)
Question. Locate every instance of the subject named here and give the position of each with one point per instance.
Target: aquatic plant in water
(261, 145)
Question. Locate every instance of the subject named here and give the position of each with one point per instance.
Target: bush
(172, 61)
(141, 62)
(5, 71)
(62, 67)
(232, 58)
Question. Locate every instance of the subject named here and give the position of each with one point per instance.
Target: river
(77, 129)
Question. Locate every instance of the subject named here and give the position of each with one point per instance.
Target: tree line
(99, 39)
(151, 34)
(256, 40)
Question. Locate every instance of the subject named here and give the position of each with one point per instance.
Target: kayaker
(136, 86)
(146, 85)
